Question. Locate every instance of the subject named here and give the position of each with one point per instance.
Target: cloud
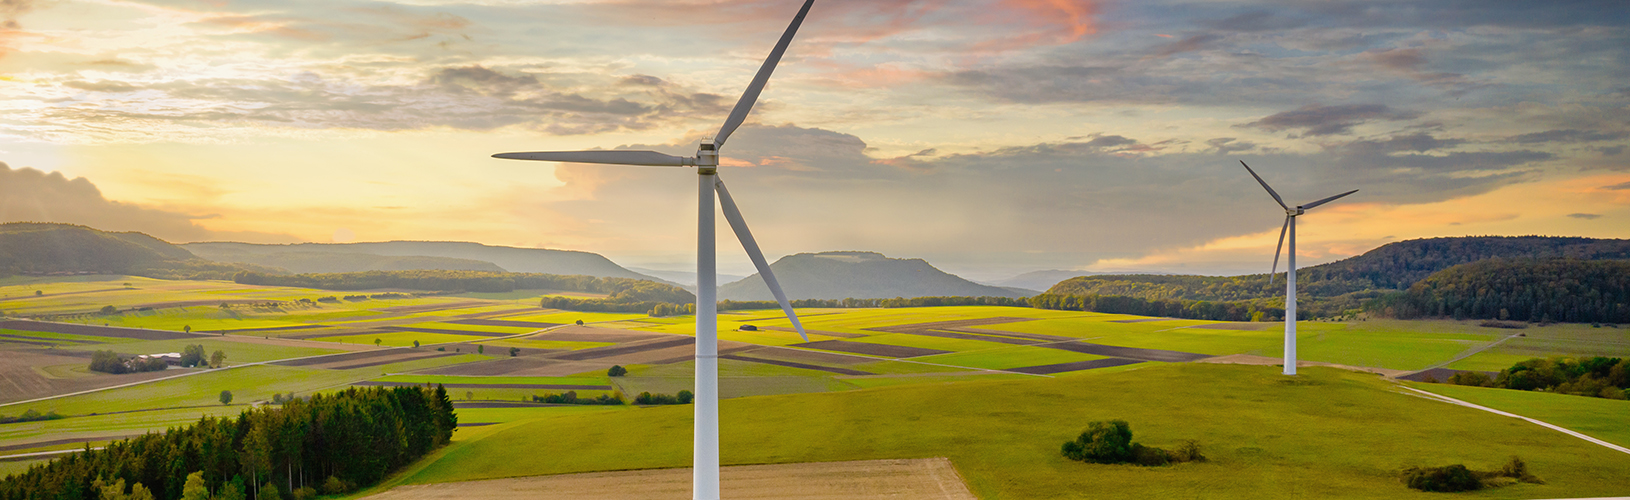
(1585, 216)
(1189, 44)
(1225, 145)
(1619, 186)
(1316, 120)
(1566, 136)
(1255, 21)
(29, 195)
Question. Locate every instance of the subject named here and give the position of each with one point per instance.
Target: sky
(991, 137)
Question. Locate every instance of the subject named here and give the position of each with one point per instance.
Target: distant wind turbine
(706, 161)
(1290, 269)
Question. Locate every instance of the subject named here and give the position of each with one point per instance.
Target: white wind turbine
(1290, 268)
(706, 161)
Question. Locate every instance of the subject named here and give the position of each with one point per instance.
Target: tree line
(336, 441)
(618, 289)
(1245, 310)
(1533, 290)
(1596, 377)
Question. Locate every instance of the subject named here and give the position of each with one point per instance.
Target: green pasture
(471, 379)
(237, 353)
(101, 427)
(1267, 436)
(1604, 419)
(247, 384)
(568, 317)
(504, 330)
(874, 381)
(1008, 357)
(529, 296)
(1385, 345)
(67, 339)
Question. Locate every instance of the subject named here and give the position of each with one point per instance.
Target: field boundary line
(1569, 432)
(1469, 353)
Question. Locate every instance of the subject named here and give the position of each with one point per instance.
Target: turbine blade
(747, 243)
(615, 157)
(1326, 200)
(1274, 273)
(748, 98)
(1265, 185)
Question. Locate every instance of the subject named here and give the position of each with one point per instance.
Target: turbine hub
(707, 155)
(1294, 212)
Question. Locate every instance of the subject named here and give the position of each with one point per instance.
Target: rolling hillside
(50, 248)
(861, 275)
(441, 255)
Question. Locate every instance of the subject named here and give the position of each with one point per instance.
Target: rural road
(1454, 401)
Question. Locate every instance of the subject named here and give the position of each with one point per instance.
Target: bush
(570, 398)
(1149, 456)
(1471, 378)
(646, 398)
(334, 486)
(616, 371)
(1447, 479)
(514, 351)
(1104, 442)
(1188, 451)
(109, 310)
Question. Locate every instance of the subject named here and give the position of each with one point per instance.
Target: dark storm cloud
(1316, 120)
(29, 195)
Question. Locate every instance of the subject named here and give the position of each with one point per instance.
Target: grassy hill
(335, 262)
(861, 275)
(49, 248)
(437, 255)
(1266, 436)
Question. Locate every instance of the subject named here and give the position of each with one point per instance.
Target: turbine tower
(1290, 268)
(706, 456)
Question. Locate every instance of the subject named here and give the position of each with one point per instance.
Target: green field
(1266, 438)
(1604, 419)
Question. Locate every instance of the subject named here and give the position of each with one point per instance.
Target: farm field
(1265, 438)
(1604, 419)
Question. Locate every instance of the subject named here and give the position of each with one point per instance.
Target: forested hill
(1394, 266)
(1540, 290)
(861, 275)
(442, 255)
(50, 248)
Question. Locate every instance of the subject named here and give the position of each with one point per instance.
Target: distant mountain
(861, 275)
(443, 255)
(686, 278)
(49, 248)
(337, 262)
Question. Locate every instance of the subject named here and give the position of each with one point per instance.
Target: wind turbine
(1290, 269)
(705, 462)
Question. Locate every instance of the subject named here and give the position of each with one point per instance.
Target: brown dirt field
(1237, 326)
(55, 442)
(338, 358)
(1031, 336)
(386, 361)
(1248, 359)
(970, 336)
(493, 386)
(1128, 352)
(1076, 366)
(20, 380)
(505, 312)
(625, 348)
(595, 334)
(840, 335)
(448, 331)
(288, 342)
(521, 367)
(926, 478)
(273, 329)
(941, 325)
(95, 331)
(502, 322)
(890, 351)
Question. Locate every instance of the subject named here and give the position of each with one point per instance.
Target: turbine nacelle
(707, 155)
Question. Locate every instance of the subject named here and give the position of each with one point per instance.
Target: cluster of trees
(1252, 310)
(193, 355)
(646, 398)
(30, 416)
(619, 290)
(111, 362)
(1456, 478)
(570, 398)
(1110, 442)
(1597, 377)
(350, 438)
(1568, 290)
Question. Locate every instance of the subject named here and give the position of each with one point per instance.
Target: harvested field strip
(606, 352)
(970, 336)
(805, 356)
(502, 322)
(95, 331)
(274, 328)
(840, 335)
(211, 302)
(1439, 374)
(790, 364)
(940, 325)
(590, 334)
(62, 293)
(433, 307)
(504, 312)
(926, 478)
(386, 361)
(58, 442)
(1127, 352)
(1235, 325)
(889, 351)
(493, 386)
(1076, 366)
(19, 339)
(473, 333)
(1031, 336)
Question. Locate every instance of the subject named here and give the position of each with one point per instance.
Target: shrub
(570, 398)
(1471, 378)
(1150, 456)
(226, 397)
(1188, 451)
(616, 371)
(1104, 442)
(514, 351)
(109, 310)
(646, 398)
(334, 486)
(1448, 479)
